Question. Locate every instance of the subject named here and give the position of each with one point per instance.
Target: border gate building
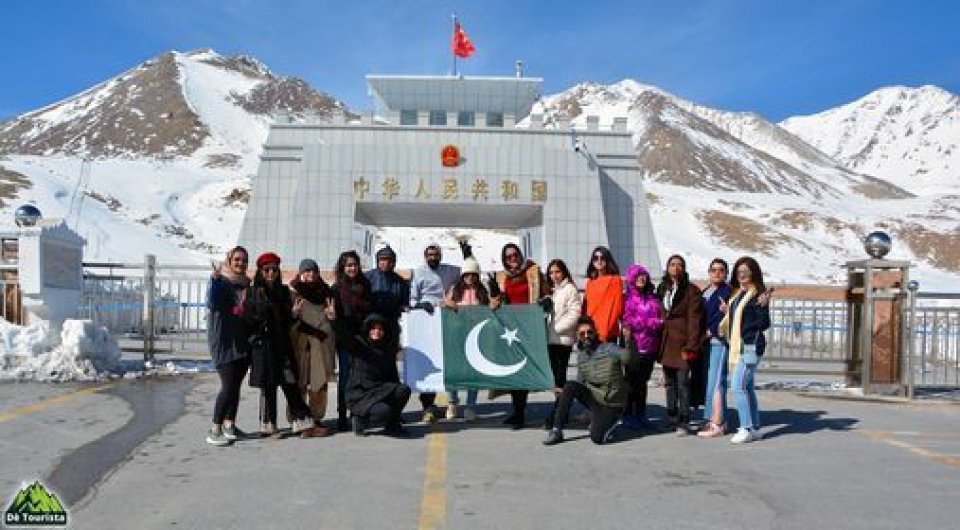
(445, 152)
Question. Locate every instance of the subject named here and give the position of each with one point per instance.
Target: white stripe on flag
(422, 341)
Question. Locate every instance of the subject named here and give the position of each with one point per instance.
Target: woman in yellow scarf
(747, 316)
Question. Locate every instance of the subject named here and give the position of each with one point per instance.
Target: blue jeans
(454, 398)
(744, 391)
(343, 379)
(716, 380)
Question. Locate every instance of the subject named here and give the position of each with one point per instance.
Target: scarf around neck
(731, 326)
(239, 281)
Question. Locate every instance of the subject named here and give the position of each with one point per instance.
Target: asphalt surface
(132, 455)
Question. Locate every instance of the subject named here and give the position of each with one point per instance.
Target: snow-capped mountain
(157, 159)
(725, 184)
(907, 136)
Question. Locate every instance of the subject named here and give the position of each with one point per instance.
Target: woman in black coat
(269, 309)
(375, 394)
(351, 293)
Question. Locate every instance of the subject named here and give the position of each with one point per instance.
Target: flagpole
(452, 51)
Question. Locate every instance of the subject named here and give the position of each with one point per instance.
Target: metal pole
(149, 293)
(452, 51)
(866, 330)
(912, 287)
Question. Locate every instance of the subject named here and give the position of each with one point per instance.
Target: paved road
(132, 455)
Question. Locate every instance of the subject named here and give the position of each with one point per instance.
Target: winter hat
(267, 258)
(307, 264)
(386, 252)
(470, 265)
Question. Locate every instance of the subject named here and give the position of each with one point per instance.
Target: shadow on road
(787, 422)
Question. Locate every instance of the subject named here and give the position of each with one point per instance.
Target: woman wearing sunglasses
(269, 309)
(747, 316)
(714, 352)
(603, 294)
(520, 282)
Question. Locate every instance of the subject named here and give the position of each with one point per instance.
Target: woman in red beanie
(269, 308)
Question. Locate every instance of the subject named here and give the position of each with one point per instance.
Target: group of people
(296, 336)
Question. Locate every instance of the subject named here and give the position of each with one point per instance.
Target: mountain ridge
(717, 181)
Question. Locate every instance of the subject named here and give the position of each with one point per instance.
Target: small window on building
(494, 119)
(408, 117)
(438, 117)
(465, 119)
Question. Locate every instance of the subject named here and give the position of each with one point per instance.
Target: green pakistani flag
(504, 349)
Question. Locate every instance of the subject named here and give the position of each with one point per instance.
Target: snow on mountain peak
(908, 136)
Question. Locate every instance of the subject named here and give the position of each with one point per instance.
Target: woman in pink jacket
(641, 314)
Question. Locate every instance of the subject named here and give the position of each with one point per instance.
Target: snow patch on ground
(85, 352)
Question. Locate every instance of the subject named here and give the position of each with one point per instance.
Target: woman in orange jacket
(603, 294)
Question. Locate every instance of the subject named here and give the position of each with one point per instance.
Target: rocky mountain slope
(723, 183)
(158, 160)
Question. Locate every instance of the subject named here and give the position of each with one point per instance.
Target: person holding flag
(469, 291)
(428, 286)
(521, 282)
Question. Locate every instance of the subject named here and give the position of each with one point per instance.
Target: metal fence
(807, 330)
(933, 341)
(157, 308)
(150, 308)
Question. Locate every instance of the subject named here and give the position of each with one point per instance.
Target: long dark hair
(666, 282)
(558, 263)
(756, 275)
(341, 268)
(611, 267)
(503, 254)
(483, 296)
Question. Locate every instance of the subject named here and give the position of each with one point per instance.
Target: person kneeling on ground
(375, 395)
(601, 385)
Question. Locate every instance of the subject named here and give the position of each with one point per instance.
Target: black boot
(359, 426)
(342, 423)
(554, 437)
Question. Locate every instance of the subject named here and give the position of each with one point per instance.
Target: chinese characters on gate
(478, 190)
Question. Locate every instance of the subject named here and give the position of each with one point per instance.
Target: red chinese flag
(462, 47)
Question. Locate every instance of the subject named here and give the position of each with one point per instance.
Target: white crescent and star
(479, 361)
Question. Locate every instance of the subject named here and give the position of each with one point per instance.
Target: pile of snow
(85, 352)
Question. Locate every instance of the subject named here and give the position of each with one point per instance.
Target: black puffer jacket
(373, 374)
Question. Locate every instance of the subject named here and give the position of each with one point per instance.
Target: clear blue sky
(776, 57)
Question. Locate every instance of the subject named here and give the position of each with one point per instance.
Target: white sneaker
(743, 436)
(215, 437)
(298, 426)
(451, 411)
(469, 414)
